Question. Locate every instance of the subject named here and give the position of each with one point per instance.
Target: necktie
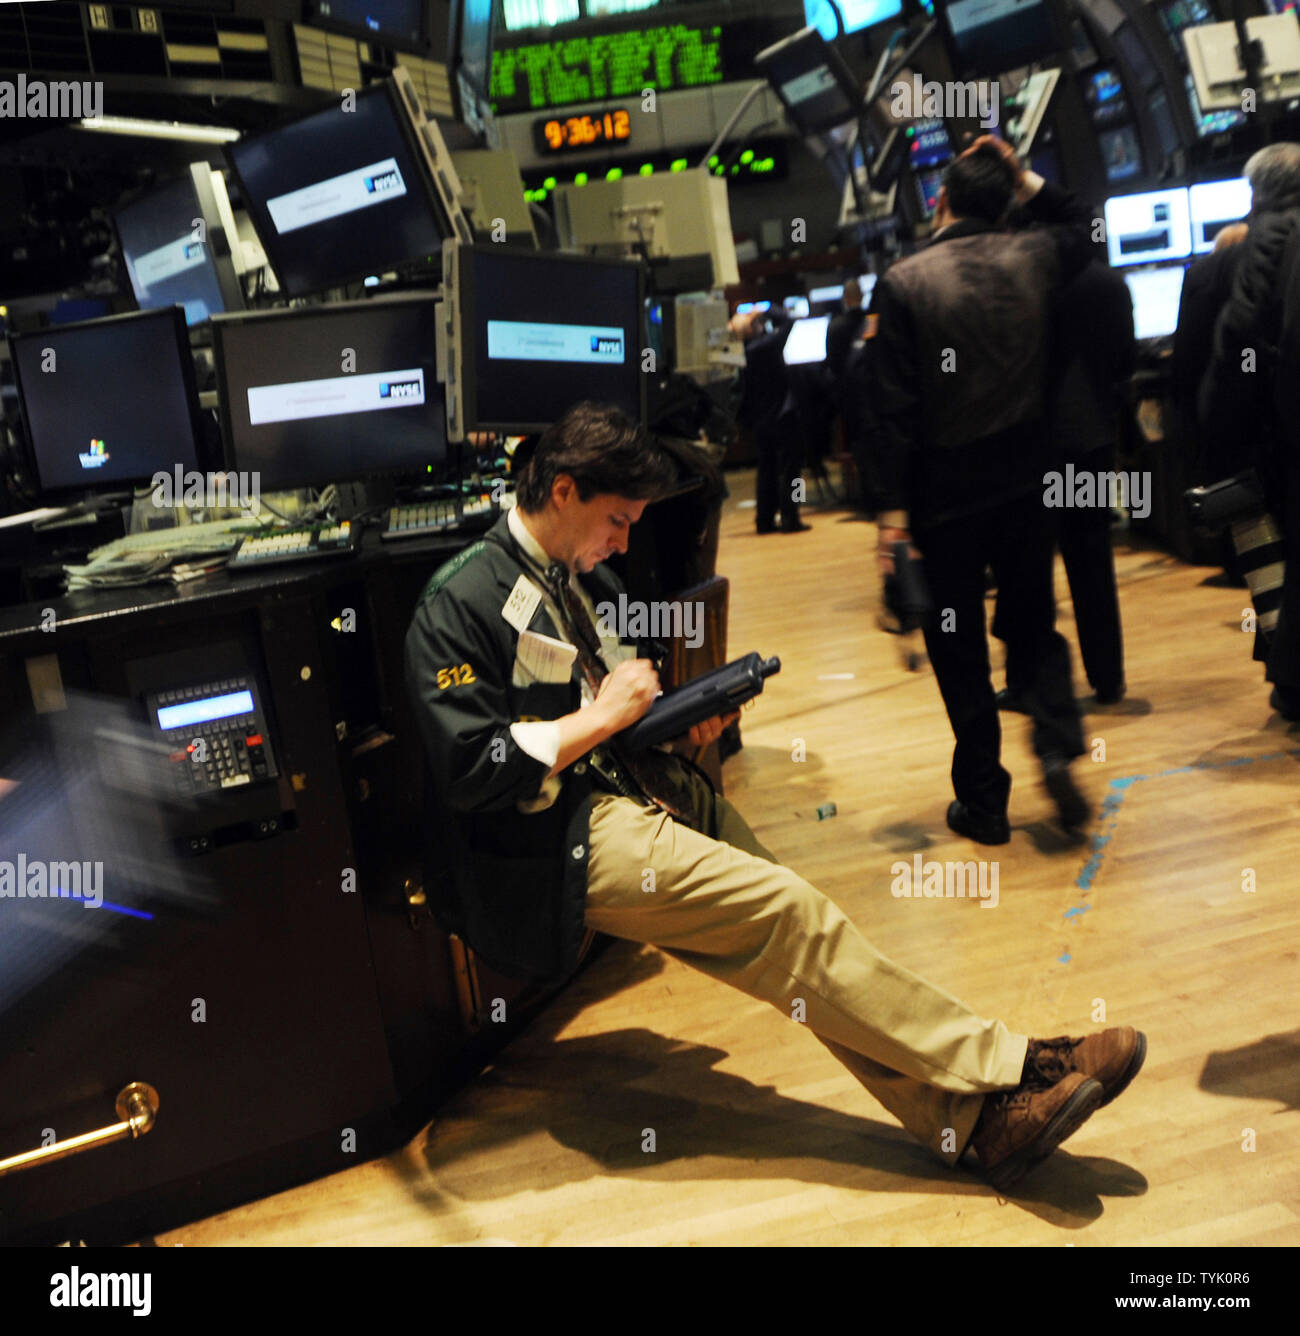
(647, 770)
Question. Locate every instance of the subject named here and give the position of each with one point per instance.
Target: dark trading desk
(273, 972)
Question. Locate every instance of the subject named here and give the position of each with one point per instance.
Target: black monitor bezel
(223, 265)
(411, 137)
(296, 313)
(466, 308)
(176, 314)
(1058, 46)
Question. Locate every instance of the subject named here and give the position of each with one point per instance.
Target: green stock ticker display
(606, 65)
(765, 161)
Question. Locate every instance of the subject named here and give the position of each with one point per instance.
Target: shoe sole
(1134, 1066)
(1069, 1118)
(1071, 806)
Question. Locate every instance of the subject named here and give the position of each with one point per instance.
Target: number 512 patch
(455, 677)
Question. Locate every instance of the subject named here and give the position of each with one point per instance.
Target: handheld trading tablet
(714, 693)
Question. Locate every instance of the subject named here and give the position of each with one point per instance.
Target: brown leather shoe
(1018, 1128)
(1113, 1057)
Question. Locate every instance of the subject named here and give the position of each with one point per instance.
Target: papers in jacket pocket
(542, 658)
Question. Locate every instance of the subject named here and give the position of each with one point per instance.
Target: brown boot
(1019, 1127)
(1113, 1057)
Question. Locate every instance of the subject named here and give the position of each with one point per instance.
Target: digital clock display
(557, 135)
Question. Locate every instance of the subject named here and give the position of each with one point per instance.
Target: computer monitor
(991, 36)
(108, 403)
(469, 63)
(1215, 205)
(344, 194)
(856, 15)
(1154, 225)
(1104, 94)
(176, 249)
(806, 341)
(1156, 294)
(928, 143)
(1121, 153)
(532, 333)
(744, 308)
(326, 394)
(928, 185)
(812, 82)
(796, 307)
(401, 24)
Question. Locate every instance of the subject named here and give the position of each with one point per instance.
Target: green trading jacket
(512, 885)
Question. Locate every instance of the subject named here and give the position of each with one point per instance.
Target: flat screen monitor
(928, 185)
(928, 143)
(812, 82)
(806, 341)
(395, 23)
(1081, 46)
(796, 307)
(857, 14)
(1121, 153)
(108, 403)
(537, 332)
(330, 393)
(1154, 225)
(1213, 206)
(341, 195)
(1104, 94)
(833, 293)
(1211, 122)
(1133, 48)
(1156, 294)
(744, 308)
(990, 36)
(469, 62)
(176, 250)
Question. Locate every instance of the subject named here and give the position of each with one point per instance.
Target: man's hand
(627, 693)
(711, 729)
(891, 528)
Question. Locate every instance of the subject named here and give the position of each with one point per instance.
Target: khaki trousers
(725, 906)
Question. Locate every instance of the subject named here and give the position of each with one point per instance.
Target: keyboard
(299, 544)
(430, 517)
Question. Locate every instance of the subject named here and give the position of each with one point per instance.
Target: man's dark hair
(604, 451)
(980, 185)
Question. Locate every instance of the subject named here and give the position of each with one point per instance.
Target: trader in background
(959, 367)
(768, 409)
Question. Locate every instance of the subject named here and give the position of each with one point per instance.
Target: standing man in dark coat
(960, 371)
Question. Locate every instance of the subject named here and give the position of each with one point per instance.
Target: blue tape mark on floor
(1109, 818)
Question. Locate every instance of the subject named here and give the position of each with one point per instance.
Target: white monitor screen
(1215, 204)
(796, 306)
(807, 341)
(1155, 293)
(1154, 225)
(834, 294)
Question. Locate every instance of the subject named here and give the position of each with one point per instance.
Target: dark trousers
(780, 454)
(1084, 535)
(1283, 647)
(1016, 539)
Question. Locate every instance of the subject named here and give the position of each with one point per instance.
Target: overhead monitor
(992, 36)
(344, 194)
(295, 412)
(1121, 153)
(856, 15)
(928, 143)
(1104, 94)
(806, 341)
(401, 24)
(108, 403)
(176, 249)
(532, 333)
(1156, 294)
(812, 82)
(1154, 225)
(469, 63)
(1215, 205)
(1027, 108)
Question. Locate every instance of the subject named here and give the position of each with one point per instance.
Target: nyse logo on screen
(607, 346)
(401, 389)
(391, 180)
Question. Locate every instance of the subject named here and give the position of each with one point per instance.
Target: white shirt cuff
(1030, 185)
(540, 739)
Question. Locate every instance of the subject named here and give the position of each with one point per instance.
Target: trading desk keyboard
(426, 517)
(305, 544)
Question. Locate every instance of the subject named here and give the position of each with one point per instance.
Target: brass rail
(137, 1108)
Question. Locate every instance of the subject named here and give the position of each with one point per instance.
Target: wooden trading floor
(761, 1136)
